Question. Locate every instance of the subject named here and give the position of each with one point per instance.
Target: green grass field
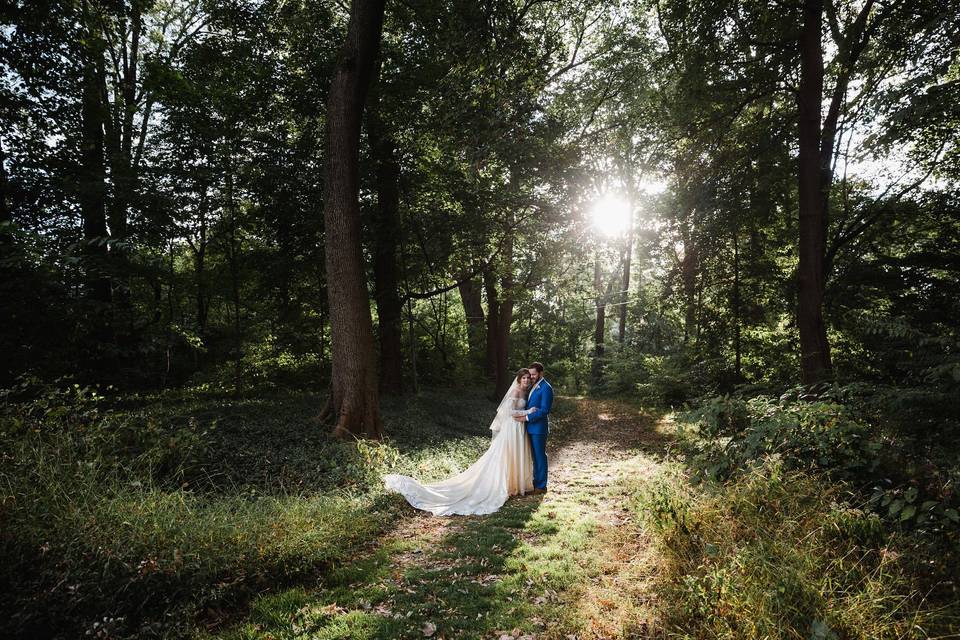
(198, 515)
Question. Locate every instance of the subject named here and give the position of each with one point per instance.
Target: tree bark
(200, 265)
(354, 394)
(385, 225)
(472, 299)
(627, 260)
(813, 192)
(119, 127)
(493, 321)
(737, 319)
(120, 124)
(688, 271)
(233, 256)
(6, 216)
(625, 284)
(599, 328)
(92, 182)
(505, 319)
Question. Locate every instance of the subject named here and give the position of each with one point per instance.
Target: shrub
(732, 432)
(827, 429)
(664, 381)
(779, 553)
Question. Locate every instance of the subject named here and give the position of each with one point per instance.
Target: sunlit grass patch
(164, 512)
(527, 569)
(295, 614)
(517, 570)
(781, 554)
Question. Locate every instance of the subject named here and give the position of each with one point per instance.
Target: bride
(505, 469)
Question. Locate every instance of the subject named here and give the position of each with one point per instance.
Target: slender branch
(880, 207)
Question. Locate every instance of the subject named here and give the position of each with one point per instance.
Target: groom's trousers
(538, 443)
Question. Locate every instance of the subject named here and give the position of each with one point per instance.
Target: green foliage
(780, 553)
(661, 380)
(77, 423)
(664, 381)
(732, 432)
(156, 510)
(908, 481)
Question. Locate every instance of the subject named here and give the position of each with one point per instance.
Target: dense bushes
(732, 432)
(780, 553)
(830, 430)
(822, 512)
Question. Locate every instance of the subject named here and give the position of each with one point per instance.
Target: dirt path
(563, 565)
(579, 565)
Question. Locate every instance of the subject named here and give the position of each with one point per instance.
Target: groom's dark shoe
(536, 491)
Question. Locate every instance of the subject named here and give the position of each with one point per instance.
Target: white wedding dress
(505, 469)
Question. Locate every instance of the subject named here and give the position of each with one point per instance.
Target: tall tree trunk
(813, 193)
(92, 182)
(411, 334)
(6, 216)
(688, 272)
(627, 259)
(505, 319)
(119, 140)
(737, 319)
(625, 285)
(171, 279)
(203, 305)
(493, 321)
(385, 224)
(599, 328)
(233, 254)
(200, 267)
(354, 395)
(472, 299)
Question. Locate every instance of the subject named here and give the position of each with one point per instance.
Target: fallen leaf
(332, 609)
(429, 629)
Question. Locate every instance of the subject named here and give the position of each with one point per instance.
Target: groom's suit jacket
(541, 398)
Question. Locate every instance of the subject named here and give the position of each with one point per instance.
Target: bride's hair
(522, 372)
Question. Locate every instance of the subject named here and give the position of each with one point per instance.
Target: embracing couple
(515, 463)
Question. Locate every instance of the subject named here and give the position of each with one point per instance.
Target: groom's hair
(537, 366)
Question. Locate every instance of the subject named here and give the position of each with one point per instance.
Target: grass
(140, 518)
(783, 554)
(541, 567)
(479, 581)
(512, 573)
(192, 514)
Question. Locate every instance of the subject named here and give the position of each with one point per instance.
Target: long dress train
(505, 469)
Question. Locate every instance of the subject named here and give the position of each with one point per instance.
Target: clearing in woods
(566, 564)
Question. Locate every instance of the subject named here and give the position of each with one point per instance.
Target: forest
(254, 254)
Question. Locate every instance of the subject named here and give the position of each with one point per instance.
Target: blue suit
(538, 426)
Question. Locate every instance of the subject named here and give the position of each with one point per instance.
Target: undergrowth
(807, 515)
(138, 516)
(776, 553)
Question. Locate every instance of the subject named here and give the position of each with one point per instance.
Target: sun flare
(611, 215)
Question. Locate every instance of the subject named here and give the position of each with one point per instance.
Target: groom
(538, 425)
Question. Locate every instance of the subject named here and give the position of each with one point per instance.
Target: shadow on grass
(209, 501)
(468, 584)
(478, 576)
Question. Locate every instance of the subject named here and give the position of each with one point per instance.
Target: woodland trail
(562, 565)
